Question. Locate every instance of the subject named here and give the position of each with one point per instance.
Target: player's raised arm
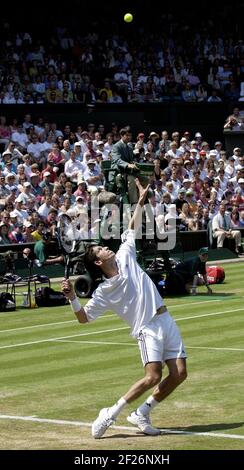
(136, 218)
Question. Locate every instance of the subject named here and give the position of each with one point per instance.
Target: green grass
(70, 379)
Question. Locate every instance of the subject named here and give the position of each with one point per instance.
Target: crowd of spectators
(46, 171)
(179, 59)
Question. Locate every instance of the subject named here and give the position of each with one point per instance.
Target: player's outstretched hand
(68, 289)
(142, 191)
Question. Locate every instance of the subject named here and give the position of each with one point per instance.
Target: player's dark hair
(89, 261)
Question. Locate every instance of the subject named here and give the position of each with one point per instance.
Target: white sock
(147, 406)
(117, 408)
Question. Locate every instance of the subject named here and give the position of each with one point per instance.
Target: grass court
(56, 375)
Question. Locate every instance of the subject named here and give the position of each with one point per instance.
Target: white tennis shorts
(160, 340)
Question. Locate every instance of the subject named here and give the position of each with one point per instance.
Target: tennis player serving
(130, 292)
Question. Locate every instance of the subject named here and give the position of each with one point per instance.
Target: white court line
(114, 329)
(103, 316)
(94, 342)
(210, 314)
(62, 337)
(52, 324)
(194, 303)
(119, 428)
(135, 344)
(216, 349)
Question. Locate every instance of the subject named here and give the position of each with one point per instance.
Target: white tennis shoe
(101, 424)
(143, 423)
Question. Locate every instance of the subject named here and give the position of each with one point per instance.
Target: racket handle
(67, 269)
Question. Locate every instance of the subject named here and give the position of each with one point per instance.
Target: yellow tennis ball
(128, 17)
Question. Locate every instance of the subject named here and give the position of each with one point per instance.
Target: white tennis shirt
(131, 293)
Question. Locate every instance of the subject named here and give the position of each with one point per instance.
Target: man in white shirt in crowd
(74, 167)
(129, 291)
(221, 229)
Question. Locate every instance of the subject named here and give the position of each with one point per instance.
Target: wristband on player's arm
(75, 305)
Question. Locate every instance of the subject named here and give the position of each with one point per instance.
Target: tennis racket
(67, 236)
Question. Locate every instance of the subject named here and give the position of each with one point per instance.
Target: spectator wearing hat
(140, 141)
(46, 184)
(180, 200)
(94, 177)
(19, 211)
(218, 147)
(13, 219)
(240, 187)
(184, 147)
(153, 137)
(11, 180)
(198, 140)
(8, 167)
(236, 153)
(193, 154)
(239, 162)
(101, 152)
(28, 229)
(79, 202)
(193, 272)
(26, 194)
(78, 151)
(13, 153)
